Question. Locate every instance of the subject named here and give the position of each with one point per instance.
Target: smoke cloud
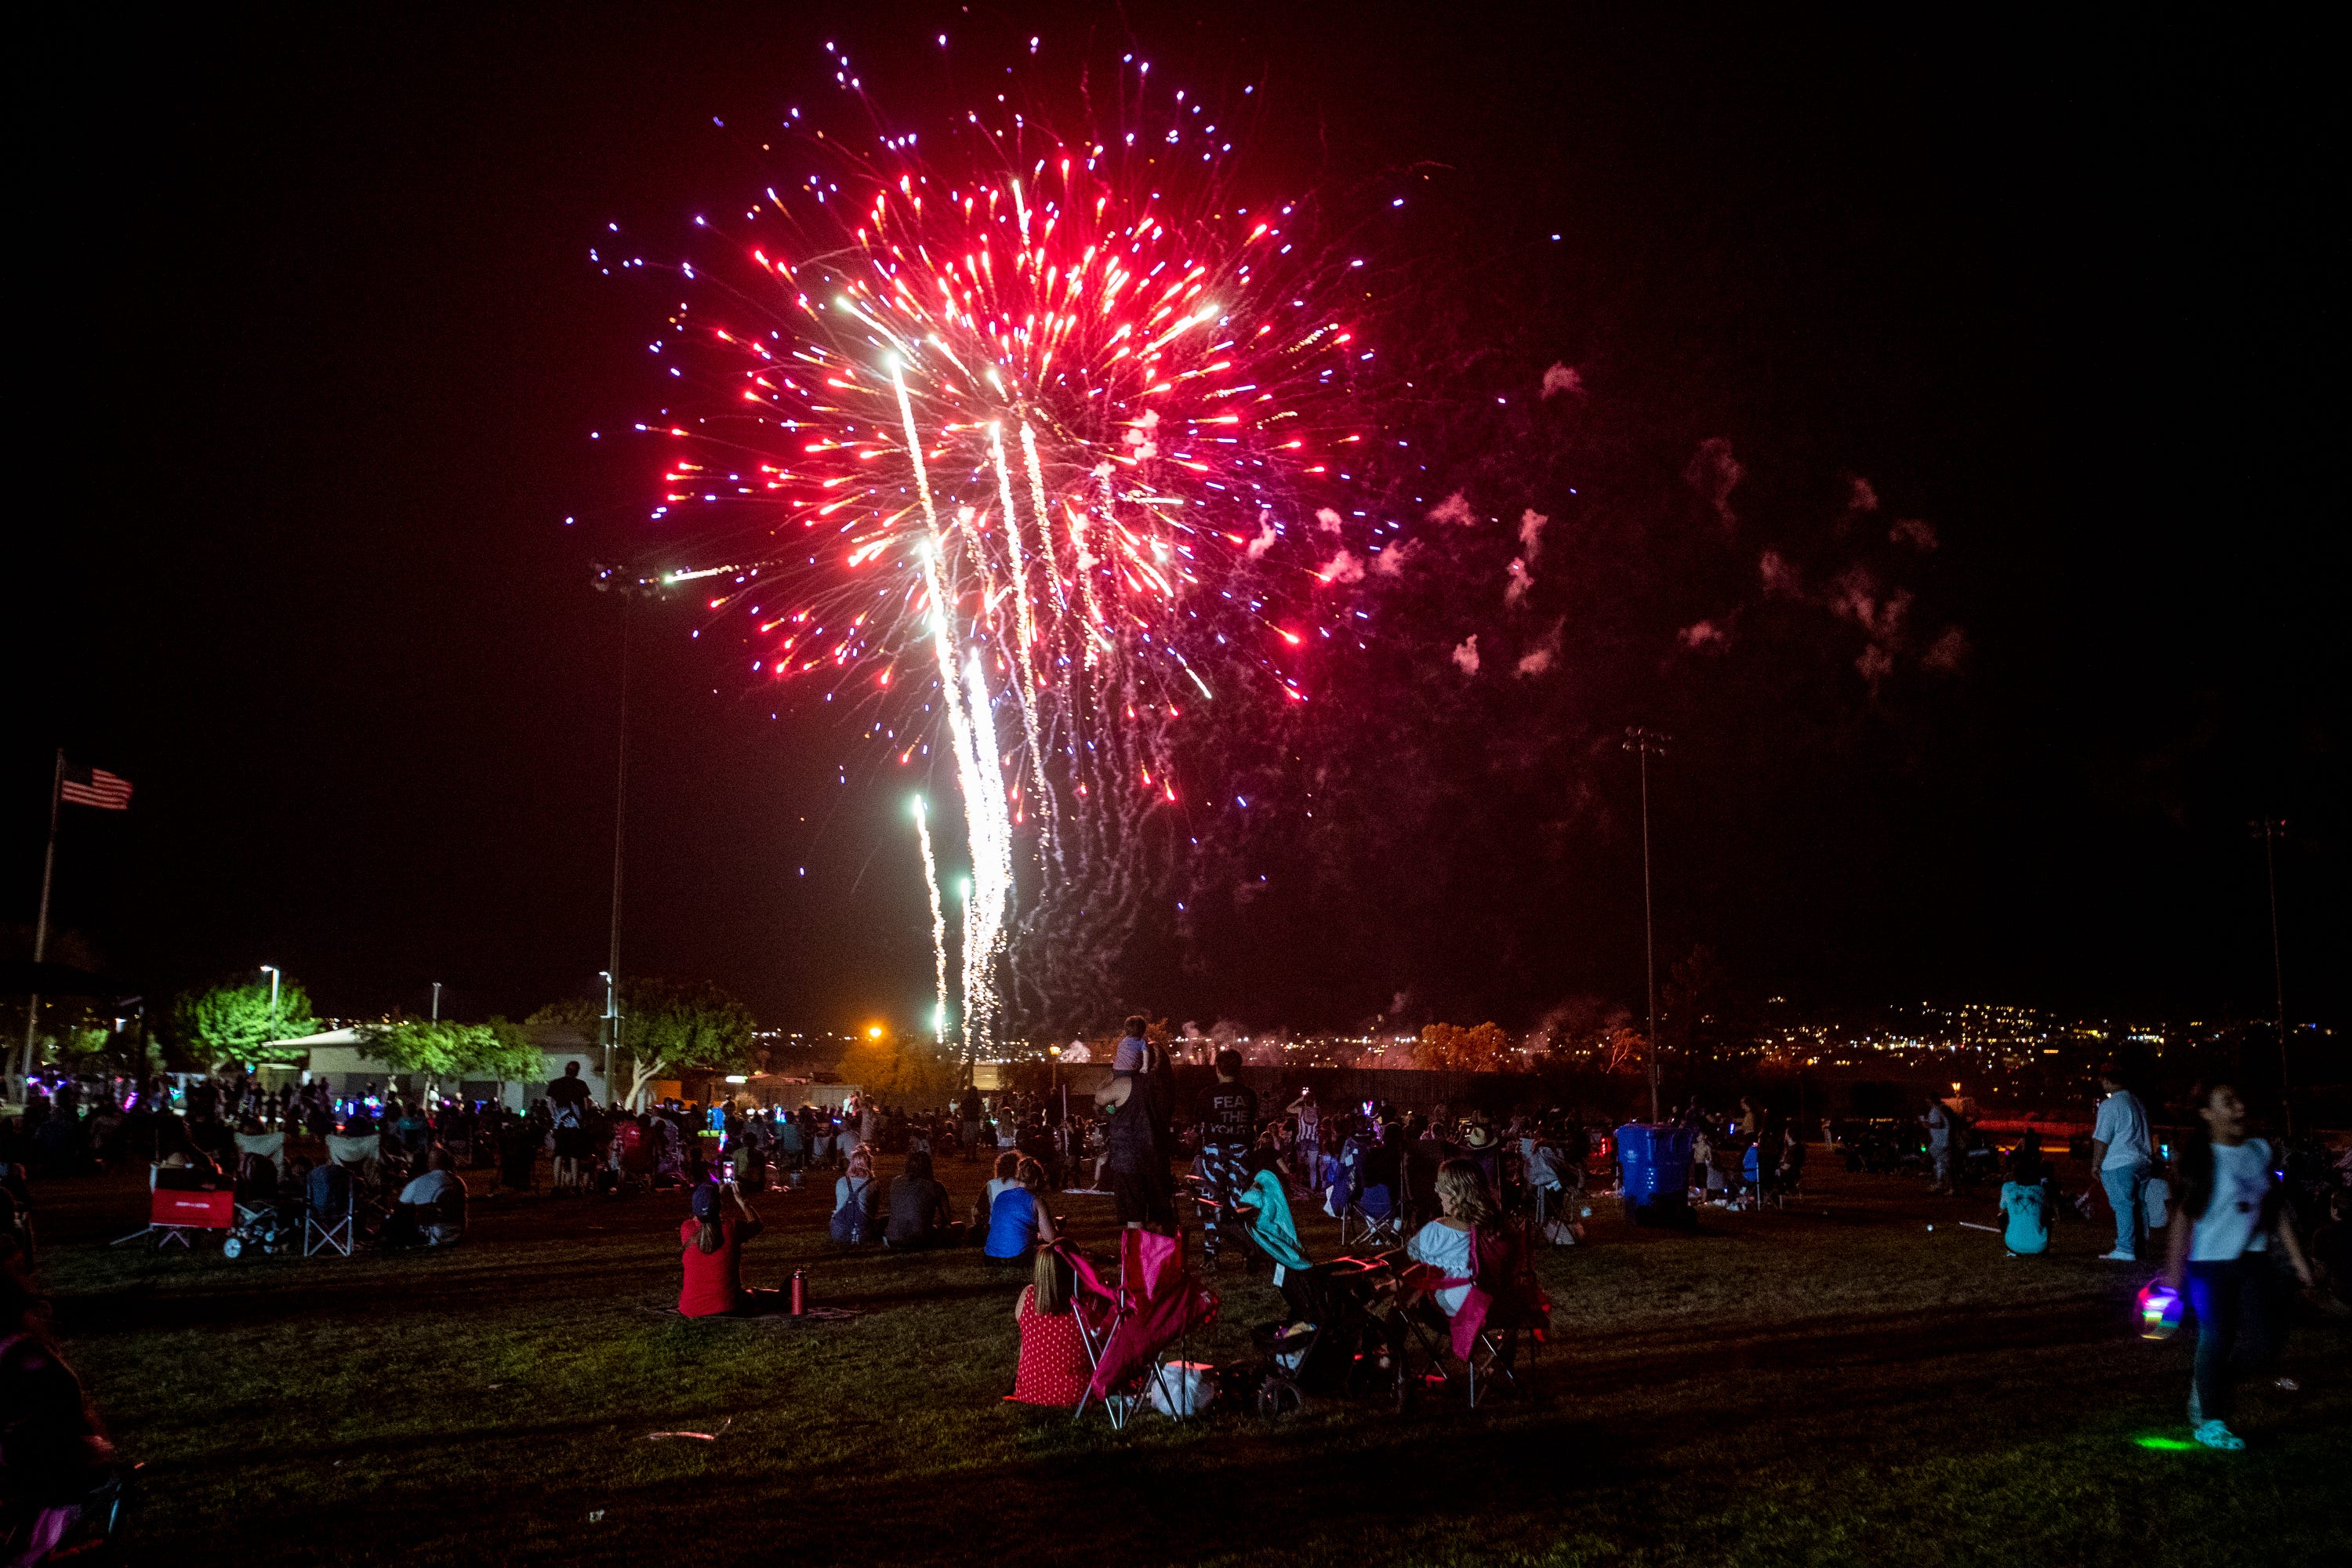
(1910, 530)
(1562, 378)
(1531, 527)
(1517, 589)
(1539, 660)
(1949, 653)
(1715, 473)
(1344, 568)
(1329, 521)
(1466, 657)
(1455, 508)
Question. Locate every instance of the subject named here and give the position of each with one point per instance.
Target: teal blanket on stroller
(1266, 1209)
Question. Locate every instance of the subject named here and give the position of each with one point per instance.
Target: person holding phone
(713, 1257)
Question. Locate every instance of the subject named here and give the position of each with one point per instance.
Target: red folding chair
(1127, 1327)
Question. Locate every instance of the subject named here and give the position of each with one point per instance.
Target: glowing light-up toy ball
(2159, 1311)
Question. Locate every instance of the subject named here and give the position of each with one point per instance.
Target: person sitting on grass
(1007, 1174)
(2025, 1201)
(1053, 1368)
(856, 1201)
(713, 1257)
(918, 1210)
(1017, 1221)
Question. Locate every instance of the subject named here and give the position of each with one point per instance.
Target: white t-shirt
(2123, 1128)
(1449, 1251)
(429, 1187)
(2234, 1215)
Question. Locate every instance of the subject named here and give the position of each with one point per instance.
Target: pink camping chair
(1127, 1326)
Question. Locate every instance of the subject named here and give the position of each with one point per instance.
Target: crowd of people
(2204, 1208)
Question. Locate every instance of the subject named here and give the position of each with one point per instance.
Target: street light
(437, 1001)
(271, 971)
(612, 1028)
(1644, 743)
(629, 587)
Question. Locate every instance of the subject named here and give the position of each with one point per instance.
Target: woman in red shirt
(1053, 1369)
(713, 1240)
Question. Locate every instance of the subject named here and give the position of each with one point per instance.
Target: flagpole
(41, 926)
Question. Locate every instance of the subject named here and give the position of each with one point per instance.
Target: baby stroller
(261, 1225)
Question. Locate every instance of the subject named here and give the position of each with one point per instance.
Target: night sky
(314, 349)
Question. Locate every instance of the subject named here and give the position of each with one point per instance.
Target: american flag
(95, 786)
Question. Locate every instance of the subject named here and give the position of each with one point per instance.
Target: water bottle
(800, 1291)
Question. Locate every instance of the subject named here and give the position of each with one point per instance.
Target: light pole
(437, 1001)
(612, 1025)
(1644, 743)
(271, 971)
(629, 588)
(2270, 830)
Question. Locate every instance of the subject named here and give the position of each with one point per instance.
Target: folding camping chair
(1488, 1348)
(1372, 1218)
(327, 1212)
(1127, 1328)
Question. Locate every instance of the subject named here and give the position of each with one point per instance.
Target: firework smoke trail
(938, 918)
(1178, 370)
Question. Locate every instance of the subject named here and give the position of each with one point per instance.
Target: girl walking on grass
(2234, 1209)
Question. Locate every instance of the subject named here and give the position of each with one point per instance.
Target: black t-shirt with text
(1228, 1114)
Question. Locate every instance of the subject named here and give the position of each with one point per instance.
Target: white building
(340, 1056)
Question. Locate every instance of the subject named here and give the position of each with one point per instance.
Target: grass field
(1830, 1384)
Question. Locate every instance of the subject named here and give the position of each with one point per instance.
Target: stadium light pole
(2270, 830)
(627, 587)
(1644, 744)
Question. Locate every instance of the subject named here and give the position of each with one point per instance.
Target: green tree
(236, 1020)
(440, 1049)
(666, 1028)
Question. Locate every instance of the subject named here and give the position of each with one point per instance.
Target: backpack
(853, 1221)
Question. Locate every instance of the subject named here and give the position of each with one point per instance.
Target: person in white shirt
(2229, 1213)
(2120, 1154)
(422, 1198)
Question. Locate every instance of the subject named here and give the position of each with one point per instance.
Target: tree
(236, 1020)
(1449, 1047)
(667, 1026)
(902, 1072)
(440, 1049)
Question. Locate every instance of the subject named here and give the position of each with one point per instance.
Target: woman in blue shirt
(1015, 1220)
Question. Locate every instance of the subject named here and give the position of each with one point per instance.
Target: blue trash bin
(1655, 1159)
